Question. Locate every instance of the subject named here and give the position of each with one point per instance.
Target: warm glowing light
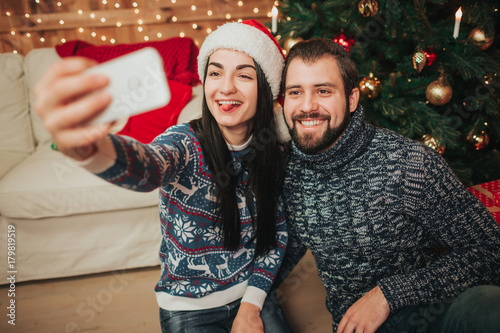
(195, 26)
(117, 5)
(13, 33)
(112, 40)
(39, 20)
(140, 29)
(27, 15)
(159, 35)
(193, 7)
(256, 10)
(7, 13)
(182, 34)
(458, 14)
(209, 30)
(139, 21)
(42, 40)
(59, 4)
(240, 20)
(118, 24)
(61, 22)
(158, 17)
(136, 11)
(174, 18)
(103, 19)
(92, 15)
(15, 51)
(134, 4)
(103, 38)
(174, 1)
(146, 38)
(80, 30)
(104, 2)
(80, 11)
(63, 40)
(228, 16)
(93, 34)
(28, 34)
(240, 3)
(209, 13)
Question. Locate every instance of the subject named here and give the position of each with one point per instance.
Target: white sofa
(67, 221)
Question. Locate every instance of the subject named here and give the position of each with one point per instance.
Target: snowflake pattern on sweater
(193, 259)
(373, 209)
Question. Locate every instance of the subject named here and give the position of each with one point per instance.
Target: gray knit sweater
(380, 209)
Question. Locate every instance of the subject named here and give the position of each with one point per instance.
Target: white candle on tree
(274, 24)
(458, 18)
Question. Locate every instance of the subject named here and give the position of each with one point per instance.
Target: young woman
(224, 233)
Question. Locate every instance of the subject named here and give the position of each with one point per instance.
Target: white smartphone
(137, 84)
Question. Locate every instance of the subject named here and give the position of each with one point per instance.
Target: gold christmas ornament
(478, 139)
(370, 86)
(439, 92)
(431, 142)
(368, 7)
(419, 61)
(479, 38)
(291, 41)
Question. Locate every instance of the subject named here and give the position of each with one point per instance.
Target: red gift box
(489, 194)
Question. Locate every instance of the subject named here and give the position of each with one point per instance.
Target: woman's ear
(353, 99)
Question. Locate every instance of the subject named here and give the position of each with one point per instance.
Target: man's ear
(353, 99)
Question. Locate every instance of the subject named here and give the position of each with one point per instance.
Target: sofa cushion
(16, 136)
(48, 184)
(35, 64)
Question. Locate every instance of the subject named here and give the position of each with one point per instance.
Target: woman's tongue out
(227, 106)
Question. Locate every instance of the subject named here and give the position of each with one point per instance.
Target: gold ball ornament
(478, 139)
(419, 61)
(368, 8)
(439, 92)
(479, 38)
(291, 41)
(431, 142)
(370, 86)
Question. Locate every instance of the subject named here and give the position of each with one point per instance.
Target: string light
(134, 4)
(28, 35)
(256, 10)
(117, 5)
(136, 11)
(146, 38)
(15, 51)
(193, 7)
(139, 29)
(182, 34)
(80, 11)
(159, 35)
(37, 1)
(112, 40)
(92, 15)
(42, 40)
(93, 34)
(13, 33)
(59, 4)
(209, 30)
(61, 22)
(139, 21)
(173, 1)
(118, 24)
(104, 2)
(158, 17)
(103, 38)
(209, 13)
(63, 40)
(103, 19)
(195, 26)
(228, 16)
(27, 15)
(39, 20)
(174, 18)
(240, 3)
(7, 13)
(80, 30)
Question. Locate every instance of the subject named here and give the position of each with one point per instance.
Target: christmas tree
(428, 70)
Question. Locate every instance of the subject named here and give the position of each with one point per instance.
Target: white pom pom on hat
(249, 37)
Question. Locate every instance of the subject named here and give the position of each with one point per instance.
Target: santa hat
(249, 37)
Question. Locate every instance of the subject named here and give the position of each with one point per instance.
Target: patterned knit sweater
(374, 209)
(197, 272)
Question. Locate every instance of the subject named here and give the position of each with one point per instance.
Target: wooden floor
(125, 302)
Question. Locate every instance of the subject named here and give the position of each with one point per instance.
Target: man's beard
(308, 145)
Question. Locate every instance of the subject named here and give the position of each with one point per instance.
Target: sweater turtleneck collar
(352, 143)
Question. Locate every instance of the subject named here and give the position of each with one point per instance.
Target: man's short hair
(311, 50)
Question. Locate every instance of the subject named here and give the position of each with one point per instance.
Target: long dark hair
(264, 164)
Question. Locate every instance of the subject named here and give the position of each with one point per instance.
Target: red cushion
(146, 126)
(180, 64)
